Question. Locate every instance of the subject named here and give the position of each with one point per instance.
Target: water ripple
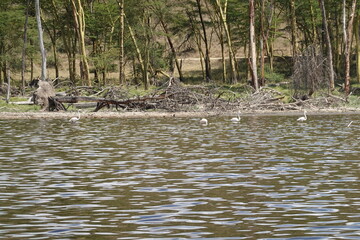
(268, 177)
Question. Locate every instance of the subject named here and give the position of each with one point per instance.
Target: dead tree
(310, 73)
(42, 94)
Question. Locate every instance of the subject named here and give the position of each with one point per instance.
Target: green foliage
(11, 25)
(154, 22)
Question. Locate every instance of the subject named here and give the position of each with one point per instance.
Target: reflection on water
(267, 177)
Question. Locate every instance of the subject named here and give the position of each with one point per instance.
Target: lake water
(267, 177)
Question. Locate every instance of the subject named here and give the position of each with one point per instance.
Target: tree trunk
(41, 41)
(198, 41)
(232, 57)
(207, 50)
(79, 19)
(121, 43)
(357, 36)
(67, 38)
(253, 45)
(8, 88)
(328, 46)
(262, 43)
(348, 33)
(293, 28)
(52, 35)
(313, 23)
(23, 54)
(139, 57)
(173, 51)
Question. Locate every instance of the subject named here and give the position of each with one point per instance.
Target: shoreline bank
(154, 114)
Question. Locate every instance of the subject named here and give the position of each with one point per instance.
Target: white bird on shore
(75, 119)
(304, 118)
(236, 119)
(204, 121)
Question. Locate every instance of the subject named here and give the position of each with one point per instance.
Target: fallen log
(142, 103)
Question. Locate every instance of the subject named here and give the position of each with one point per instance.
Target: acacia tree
(253, 45)
(348, 33)
(79, 20)
(23, 53)
(293, 27)
(171, 27)
(63, 19)
(121, 42)
(222, 10)
(41, 41)
(206, 42)
(101, 23)
(266, 19)
(328, 45)
(357, 43)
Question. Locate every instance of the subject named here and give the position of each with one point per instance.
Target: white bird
(304, 118)
(204, 121)
(350, 124)
(236, 119)
(75, 119)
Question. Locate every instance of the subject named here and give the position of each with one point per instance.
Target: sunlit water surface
(267, 177)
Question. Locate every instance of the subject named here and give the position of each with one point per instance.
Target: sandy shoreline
(64, 115)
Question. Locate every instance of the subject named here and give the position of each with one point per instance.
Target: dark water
(268, 177)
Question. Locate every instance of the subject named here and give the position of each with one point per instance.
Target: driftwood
(173, 96)
(140, 103)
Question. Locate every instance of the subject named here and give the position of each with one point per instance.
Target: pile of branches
(326, 101)
(174, 96)
(266, 99)
(190, 98)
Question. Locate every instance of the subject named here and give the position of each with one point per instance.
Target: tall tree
(23, 54)
(348, 33)
(222, 9)
(328, 46)
(121, 42)
(357, 40)
(79, 20)
(41, 41)
(253, 45)
(293, 27)
(206, 42)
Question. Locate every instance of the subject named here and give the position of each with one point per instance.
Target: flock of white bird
(205, 122)
(237, 119)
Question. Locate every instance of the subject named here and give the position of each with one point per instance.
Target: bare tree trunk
(313, 23)
(31, 68)
(253, 45)
(41, 41)
(232, 57)
(198, 41)
(121, 43)
(348, 33)
(262, 43)
(173, 51)
(52, 35)
(328, 46)
(79, 18)
(207, 50)
(8, 88)
(357, 36)
(23, 54)
(139, 57)
(293, 28)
